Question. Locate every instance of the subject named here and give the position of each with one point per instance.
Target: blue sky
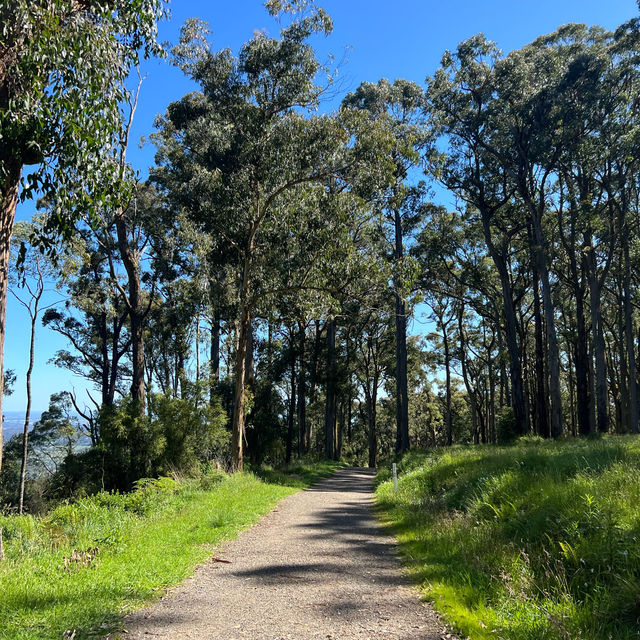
(374, 40)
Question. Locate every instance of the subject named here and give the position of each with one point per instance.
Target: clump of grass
(87, 563)
(533, 541)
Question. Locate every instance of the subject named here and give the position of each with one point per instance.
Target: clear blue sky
(377, 39)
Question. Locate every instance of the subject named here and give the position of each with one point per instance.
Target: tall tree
(398, 107)
(29, 289)
(63, 65)
(250, 148)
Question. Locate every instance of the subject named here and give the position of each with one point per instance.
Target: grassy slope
(147, 541)
(534, 541)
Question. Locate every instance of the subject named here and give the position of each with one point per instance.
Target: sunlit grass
(534, 541)
(145, 541)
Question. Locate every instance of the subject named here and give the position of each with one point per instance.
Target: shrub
(507, 429)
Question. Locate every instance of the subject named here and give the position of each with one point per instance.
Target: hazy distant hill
(14, 422)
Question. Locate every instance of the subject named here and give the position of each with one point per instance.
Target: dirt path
(318, 567)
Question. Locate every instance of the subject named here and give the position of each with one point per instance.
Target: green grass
(537, 541)
(146, 540)
(298, 474)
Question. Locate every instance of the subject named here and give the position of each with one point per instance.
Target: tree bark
(331, 400)
(447, 368)
(541, 410)
(631, 356)
(303, 444)
(244, 329)
(515, 368)
(136, 313)
(550, 326)
(27, 414)
(237, 425)
(214, 356)
(9, 188)
(371, 394)
(292, 398)
(402, 396)
(598, 346)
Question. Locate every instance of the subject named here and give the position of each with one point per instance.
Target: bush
(507, 429)
(191, 433)
(180, 434)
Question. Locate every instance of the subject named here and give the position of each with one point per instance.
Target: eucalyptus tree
(460, 98)
(398, 107)
(250, 145)
(29, 289)
(63, 65)
(373, 347)
(94, 318)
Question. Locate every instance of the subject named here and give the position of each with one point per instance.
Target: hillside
(537, 540)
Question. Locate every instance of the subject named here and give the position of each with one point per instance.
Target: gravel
(319, 566)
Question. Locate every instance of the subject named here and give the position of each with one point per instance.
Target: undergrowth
(537, 541)
(85, 564)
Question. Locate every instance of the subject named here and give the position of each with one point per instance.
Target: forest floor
(319, 566)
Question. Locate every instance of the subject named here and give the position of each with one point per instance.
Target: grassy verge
(86, 564)
(533, 541)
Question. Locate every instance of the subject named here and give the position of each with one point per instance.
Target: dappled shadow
(356, 480)
(342, 535)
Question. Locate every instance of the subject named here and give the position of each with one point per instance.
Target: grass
(536, 541)
(85, 565)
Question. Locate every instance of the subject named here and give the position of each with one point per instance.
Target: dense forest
(252, 300)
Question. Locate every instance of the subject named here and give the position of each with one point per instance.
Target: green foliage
(533, 541)
(507, 429)
(179, 434)
(143, 541)
(192, 433)
(66, 64)
(9, 381)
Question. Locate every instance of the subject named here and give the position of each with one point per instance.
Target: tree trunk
(471, 394)
(583, 392)
(515, 368)
(237, 425)
(136, 313)
(214, 356)
(340, 430)
(303, 444)
(447, 368)
(550, 327)
(372, 401)
(331, 400)
(292, 399)
(244, 329)
(541, 409)
(313, 377)
(631, 356)
(8, 204)
(250, 369)
(402, 396)
(27, 414)
(598, 346)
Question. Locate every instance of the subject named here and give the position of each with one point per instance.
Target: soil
(319, 566)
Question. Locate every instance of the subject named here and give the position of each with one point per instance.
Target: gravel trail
(317, 567)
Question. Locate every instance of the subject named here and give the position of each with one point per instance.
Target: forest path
(318, 566)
